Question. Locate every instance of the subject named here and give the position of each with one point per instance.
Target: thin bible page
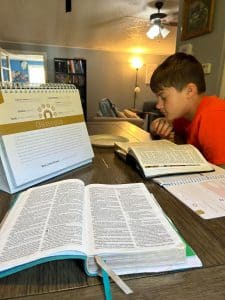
(43, 221)
(126, 217)
(184, 155)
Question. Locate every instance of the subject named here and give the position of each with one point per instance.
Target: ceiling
(111, 25)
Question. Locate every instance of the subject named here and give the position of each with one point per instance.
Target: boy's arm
(173, 131)
(162, 128)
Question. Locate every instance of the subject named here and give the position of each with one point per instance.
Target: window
(24, 67)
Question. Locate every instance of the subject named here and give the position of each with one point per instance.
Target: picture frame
(197, 18)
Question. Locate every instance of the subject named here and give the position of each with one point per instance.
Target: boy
(179, 85)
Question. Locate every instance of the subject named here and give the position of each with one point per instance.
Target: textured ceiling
(111, 25)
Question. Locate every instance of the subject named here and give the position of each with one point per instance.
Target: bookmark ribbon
(106, 268)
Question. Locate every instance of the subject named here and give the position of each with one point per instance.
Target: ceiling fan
(157, 28)
(133, 15)
(158, 15)
(170, 14)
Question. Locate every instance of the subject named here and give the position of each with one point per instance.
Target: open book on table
(162, 157)
(123, 224)
(204, 193)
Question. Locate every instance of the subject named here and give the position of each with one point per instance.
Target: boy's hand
(163, 128)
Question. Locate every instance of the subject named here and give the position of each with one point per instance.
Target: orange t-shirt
(207, 129)
(180, 127)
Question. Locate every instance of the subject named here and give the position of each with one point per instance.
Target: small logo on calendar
(46, 111)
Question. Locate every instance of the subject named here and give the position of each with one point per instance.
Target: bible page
(166, 155)
(44, 221)
(129, 230)
(127, 145)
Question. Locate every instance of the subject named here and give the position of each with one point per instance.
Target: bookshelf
(73, 70)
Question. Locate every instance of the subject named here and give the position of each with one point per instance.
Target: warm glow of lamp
(137, 51)
(137, 63)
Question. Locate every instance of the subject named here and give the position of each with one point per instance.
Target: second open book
(162, 157)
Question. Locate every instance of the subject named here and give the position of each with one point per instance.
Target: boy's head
(177, 71)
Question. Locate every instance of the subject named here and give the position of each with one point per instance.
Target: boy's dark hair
(177, 71)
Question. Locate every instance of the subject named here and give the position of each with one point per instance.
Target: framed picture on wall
(197, 18)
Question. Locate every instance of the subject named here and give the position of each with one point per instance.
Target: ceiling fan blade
(171, 20)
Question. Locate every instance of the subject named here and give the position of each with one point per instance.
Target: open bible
(122, 224)
(162, 157)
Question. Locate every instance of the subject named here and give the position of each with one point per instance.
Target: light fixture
(137, 64)
(157, 30)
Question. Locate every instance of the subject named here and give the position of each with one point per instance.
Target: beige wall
(109, 74)
(210, 47)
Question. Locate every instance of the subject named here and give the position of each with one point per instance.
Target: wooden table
(64, 280)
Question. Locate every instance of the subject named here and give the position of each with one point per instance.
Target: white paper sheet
(203, 193)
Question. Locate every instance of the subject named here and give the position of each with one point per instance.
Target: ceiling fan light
(153, 32)
(164, 32)
(157, 30)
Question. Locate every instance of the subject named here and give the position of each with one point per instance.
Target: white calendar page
(42, 136)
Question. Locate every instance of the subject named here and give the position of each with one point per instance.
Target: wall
(210, 47)
(109, 74)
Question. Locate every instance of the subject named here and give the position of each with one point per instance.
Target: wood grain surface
(66, 279)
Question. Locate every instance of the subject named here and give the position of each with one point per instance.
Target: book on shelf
(61, 66)
(71, 66)
(162, 157)
(204, 193)
(122, 224)
(42, 134)
(79, 66)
